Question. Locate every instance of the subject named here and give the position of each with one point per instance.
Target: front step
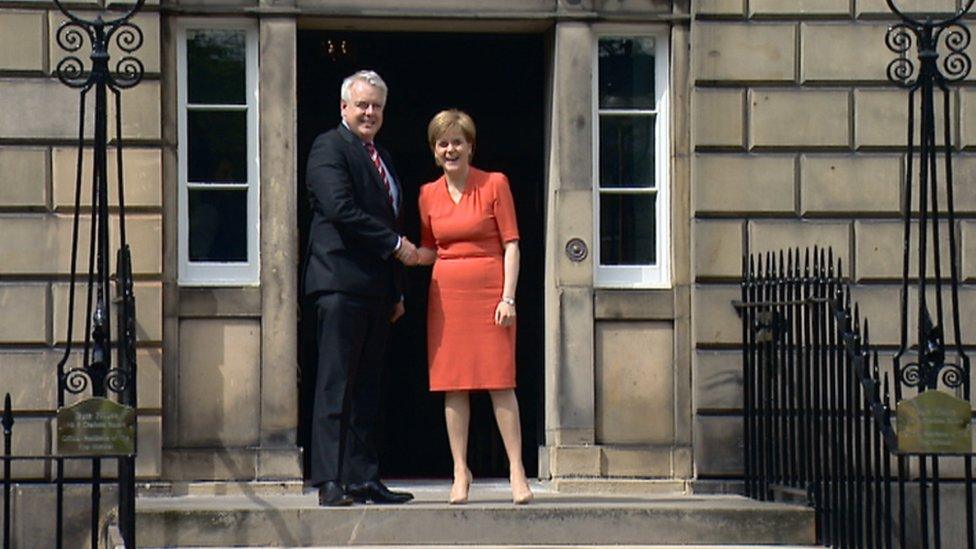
(521, 546)
(489, 519)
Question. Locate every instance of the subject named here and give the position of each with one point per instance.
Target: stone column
(570, 432)
(681, 243)
(279, 249)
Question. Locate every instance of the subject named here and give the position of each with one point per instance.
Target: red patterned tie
(375, 157)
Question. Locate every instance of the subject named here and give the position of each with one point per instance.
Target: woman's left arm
(505, 311)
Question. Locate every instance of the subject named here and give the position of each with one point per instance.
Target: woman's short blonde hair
(447, 119)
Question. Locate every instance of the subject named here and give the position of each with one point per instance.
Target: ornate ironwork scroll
(940, 60)
(96, 372)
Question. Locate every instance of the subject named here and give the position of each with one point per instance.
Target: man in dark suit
(354, 278)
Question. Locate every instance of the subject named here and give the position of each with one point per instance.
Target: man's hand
(407, 254)
(398, 311)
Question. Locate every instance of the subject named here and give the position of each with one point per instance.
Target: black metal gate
(90, 370)
(818, 409)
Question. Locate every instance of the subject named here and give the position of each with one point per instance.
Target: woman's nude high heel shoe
(459, 491)
(521, 493)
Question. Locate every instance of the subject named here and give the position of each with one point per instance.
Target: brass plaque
(97, 427)
(934, 422)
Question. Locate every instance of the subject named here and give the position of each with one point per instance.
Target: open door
(499, 79)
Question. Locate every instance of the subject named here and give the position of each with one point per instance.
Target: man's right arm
(407, 252)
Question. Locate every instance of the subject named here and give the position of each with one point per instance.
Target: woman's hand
(504, 314)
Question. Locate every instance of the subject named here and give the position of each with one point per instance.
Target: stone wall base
(232, 464)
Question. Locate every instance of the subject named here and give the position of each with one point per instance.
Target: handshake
(407, 253)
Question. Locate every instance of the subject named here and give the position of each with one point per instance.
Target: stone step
(555, 547)
(554, 519)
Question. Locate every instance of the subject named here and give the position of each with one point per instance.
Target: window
(218, 154)
(631, 156)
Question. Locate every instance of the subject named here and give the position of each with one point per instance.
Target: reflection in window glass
(626, 73)
(626, 151)
(215, 67)
(627, 229)
(218, 225)
(217, 146)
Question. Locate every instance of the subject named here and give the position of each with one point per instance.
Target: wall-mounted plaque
(97, 427)
(934, 422)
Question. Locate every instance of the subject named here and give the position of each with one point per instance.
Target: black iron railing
(120, 381)
(818, 411)
(96, 375)
(95, 483)
(932, 56)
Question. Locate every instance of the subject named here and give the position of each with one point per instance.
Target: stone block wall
(38, 157)
(798, 140)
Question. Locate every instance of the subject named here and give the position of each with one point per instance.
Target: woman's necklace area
(456, 191)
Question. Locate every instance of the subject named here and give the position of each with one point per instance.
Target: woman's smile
(452, 151)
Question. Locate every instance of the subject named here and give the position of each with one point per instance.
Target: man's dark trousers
(352, 334)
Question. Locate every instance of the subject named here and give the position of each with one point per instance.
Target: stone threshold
(522, 546)
(580, 486)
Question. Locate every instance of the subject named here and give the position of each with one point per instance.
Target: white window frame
(638, 276)
(207, 273)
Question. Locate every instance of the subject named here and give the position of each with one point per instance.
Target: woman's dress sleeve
(505, 210)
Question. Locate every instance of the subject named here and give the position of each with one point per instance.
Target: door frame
(544, 29)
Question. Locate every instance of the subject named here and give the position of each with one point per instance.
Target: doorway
(500, 80)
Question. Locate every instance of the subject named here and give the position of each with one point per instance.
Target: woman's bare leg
(457, 413)
(507, 416)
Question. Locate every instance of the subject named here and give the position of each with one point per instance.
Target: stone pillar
(279, 248)
(570, 432)
(682, 456)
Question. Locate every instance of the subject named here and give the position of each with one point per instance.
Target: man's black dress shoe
(331, 494)
(374, 491)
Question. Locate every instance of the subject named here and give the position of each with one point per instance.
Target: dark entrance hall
(500, 79)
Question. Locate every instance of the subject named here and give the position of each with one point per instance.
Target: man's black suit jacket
(354, 229)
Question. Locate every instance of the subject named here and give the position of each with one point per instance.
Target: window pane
(218, 225)
(217, 146)
(628, 229)
(626, 73)
(215, 67)
(627, 151)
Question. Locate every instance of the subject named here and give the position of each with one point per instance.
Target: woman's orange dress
(465, 349)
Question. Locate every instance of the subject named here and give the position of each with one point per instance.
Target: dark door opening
(500, 80)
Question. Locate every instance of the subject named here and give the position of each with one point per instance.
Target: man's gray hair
(370, 77)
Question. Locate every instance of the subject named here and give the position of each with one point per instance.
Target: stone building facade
(773, 126)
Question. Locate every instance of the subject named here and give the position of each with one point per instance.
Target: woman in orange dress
(469, 233)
